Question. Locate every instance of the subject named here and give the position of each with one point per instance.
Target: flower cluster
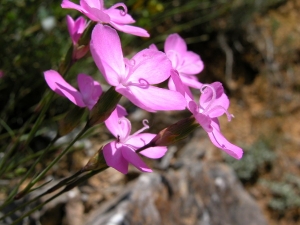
(136, 79)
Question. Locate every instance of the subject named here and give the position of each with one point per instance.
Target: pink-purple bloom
(119, 153)
(134, 78)
(117, 18)
(76, 29)
(213, 103)
(89, 89)
(186, 63)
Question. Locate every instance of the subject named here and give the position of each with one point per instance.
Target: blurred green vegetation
(257, 158)
(285, 194)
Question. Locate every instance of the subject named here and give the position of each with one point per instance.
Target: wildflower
(76, 29)
(89, 90)
(119, 19)
(133, 78)
(214, 103)
(186, 63)
(119, 153)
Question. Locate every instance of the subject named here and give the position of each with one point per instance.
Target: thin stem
(35, 180)
(67, 188)
(25, 191)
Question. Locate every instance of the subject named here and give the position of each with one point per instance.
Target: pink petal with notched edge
(107, 53)
(153, 98)
(117, 17)
(175, 43)
(150, 65)
(221, 142)
(134, 159)
(89, 89)
(114, 157)
(112, 122)
(57, 83)
(130, 29)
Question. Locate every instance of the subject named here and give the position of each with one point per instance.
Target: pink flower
(89, 90)
(186, 63)
(133, 78)
(213, 103)
(76, 29)
(119, 153)
(119, 19)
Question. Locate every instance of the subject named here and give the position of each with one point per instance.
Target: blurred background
(251, 46)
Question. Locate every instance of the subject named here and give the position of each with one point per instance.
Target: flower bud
(104, 107)
(70, 121)
(96, 162)
(175, 132)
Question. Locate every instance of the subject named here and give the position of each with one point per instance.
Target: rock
(202, 193)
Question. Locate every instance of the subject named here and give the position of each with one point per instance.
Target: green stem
(26, 190)
(67, 188)
(35, 180)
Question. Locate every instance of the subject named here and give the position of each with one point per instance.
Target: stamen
(127, 123)
(122, 5)
(144, 84)
(214, 95)
(229, 116)
(146, 126)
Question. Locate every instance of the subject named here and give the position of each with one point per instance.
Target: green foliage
(285, 193)
(27, 49)
(255, 158)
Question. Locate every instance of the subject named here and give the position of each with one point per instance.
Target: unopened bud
(86, 36)
(70, 121)
(175, 132)
(104, 107)
(96, 162)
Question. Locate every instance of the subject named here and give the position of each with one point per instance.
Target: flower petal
(57, 83)
(66, 4)
(151, 66)
(114, 157)
(140, 140)
(112, 122)
(175, 43)
(118, 16)
(192, 63)
(191, 81)
(71, 25)
(153, 98)
(130, 29)
(217, 106)
(90, 90)
(133, 158)
(221, 142)
(155, 152)
(107, 53)
(153, 47)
